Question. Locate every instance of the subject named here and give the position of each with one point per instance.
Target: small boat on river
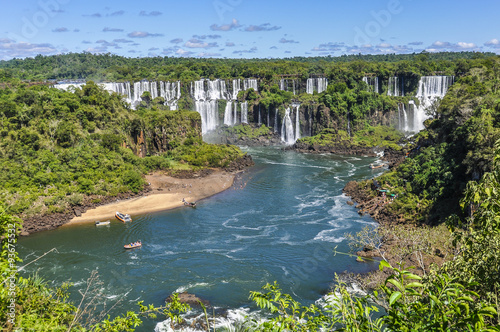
(376, 166)
(190, 204)
(133, 245)
(123, 217)
(102, 223)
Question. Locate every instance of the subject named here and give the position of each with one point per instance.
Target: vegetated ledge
(397, 233)
(51, 221)
(368, 142)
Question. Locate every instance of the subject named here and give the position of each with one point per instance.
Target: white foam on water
(329, 235)
(191, 286)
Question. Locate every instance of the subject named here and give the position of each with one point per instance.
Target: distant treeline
(110, 67)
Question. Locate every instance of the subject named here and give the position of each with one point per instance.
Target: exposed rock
(190, 299)
(240, 164)
(78, 213)
(339, 148)
(24, 233)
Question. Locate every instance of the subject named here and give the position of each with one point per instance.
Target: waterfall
(430, 90)
(235, 118)
(206, 102)
(250, 83)
(285, 85)
(69, 86)
(171, 93)
(236, 88)
(199, 90)
(120, 88)
(209, 112)
(244, 112)
(297, 122)
(316, 84)
(322, 84)
(372, 83)
(287, 135)
(216, 90)
(403, 118)
(276, 120)
(393, 87)
(260, 119)
(310, 86)
(228, 114)
(140, 88)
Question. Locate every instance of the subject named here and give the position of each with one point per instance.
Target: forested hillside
(57, 148)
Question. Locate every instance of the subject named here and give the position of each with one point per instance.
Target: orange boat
(123, 217)
(133, 245)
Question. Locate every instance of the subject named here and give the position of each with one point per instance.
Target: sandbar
(166, 193)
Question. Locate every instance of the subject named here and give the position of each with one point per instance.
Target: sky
(246, 28)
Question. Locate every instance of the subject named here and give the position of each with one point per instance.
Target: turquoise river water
(280, 221)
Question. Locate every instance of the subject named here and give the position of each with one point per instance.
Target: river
(280, 221)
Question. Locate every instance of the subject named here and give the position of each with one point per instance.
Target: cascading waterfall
(206, 103)
(372, 82)
(171, 92)
(287, 134)
(276, 120)
(250, 83)
(260, 119)
(140, 88)
(69, 86)
(310, 86)
(322, 84)
(236, 88)
(228, 114)
(235, 118)
(430, 90)
(244, 112)
(285, 85)
(319, 84)
(209, 114)
(297, 122)
(395, 86)
(120, 88)
(403, 118)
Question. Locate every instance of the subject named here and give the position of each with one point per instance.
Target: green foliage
(380, 136)
(251, 132)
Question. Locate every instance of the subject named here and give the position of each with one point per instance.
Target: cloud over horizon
(143, 34)
(226, 27)
(262, 27)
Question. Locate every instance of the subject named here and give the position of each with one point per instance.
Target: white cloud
(196, 43)
(444, 46)
(494, 43)
(284, 41)
(143, 34)
(153, 13)
(225, 27)
(10, 49)
(106, 29)
(182, 52)
(262, 27)
(466, 45)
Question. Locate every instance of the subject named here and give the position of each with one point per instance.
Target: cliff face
(163, 131)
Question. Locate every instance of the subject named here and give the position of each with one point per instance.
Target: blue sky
(246, 28)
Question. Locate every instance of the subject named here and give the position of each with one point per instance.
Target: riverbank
(165, 192)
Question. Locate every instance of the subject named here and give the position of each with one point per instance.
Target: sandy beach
(166, 193)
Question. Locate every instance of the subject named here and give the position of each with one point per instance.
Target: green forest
(60, 148)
